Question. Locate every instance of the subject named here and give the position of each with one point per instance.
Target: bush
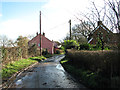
(57, 52)
(85, 46)
(62, 48)
(95, 47)
(32, 50)
(68, 44)
(45, 51)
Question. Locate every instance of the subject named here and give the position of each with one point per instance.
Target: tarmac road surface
(46, 74)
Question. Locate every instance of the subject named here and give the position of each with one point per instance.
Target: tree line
(15, 50)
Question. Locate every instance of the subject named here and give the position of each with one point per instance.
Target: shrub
(106, 48)
(57, 51)
(85, 46)
(68, 44)
(99, 43)
(62, 48)
(32, 50)
(45, 51)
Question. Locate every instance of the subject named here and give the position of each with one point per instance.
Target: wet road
(46, 74)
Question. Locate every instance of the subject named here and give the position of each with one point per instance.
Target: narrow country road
(46, 74)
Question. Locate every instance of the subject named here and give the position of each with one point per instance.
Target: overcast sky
(21, 17)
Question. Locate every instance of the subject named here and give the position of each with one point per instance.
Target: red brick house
(108, 36)
(46, 43)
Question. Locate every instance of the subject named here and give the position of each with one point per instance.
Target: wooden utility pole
(40, 37)
(70, 28)
(119, 17)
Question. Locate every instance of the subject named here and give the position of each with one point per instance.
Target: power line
(58, 26)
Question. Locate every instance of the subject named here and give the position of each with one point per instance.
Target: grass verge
(16, 66)
(90, 79)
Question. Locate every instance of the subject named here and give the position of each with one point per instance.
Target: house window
(39, 44)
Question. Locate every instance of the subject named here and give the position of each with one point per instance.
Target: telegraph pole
(119, 17)
(40, 37)
(70, 28)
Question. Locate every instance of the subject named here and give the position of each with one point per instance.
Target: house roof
(90, 40)
(104, 27)
(42, 36)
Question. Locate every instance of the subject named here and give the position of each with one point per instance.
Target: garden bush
(84, 46)
(32, 50)
(57, 51)
(68, 44)
(45, 52)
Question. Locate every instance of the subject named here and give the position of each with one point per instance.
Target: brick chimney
(37, 33)
(99, 23)
(43, 34)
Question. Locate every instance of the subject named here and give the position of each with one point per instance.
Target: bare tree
(113, 15)
(3, 41)
(11, 43)
(80, 32)
(108, 13)
(31, 36)
(94, 15)
(84, 29)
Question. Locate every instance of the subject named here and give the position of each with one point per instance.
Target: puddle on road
(60, 67)
(19, 82)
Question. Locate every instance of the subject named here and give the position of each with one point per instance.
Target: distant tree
(30, 36)
(82, 29)
(107, 13)
(11, 43)
(22, 42)
(66, 38)
(113, 14)
(94, 15)
(80, 32)
(4, 41)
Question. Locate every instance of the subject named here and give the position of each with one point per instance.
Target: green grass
(16, 66)
(85, 77)
(64, 61)
(39, 58)
(48, 55)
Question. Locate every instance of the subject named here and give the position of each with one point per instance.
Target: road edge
(9, 82)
